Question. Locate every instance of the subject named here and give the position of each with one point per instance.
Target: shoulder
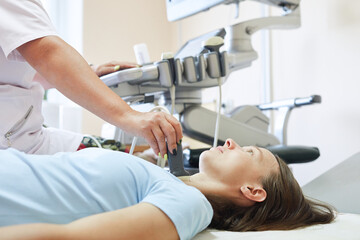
(12, 7)
(186, 206)
(28, 20)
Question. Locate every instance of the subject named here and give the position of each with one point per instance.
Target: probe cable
(216, 134)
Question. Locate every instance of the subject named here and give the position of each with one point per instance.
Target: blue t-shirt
(67, 186)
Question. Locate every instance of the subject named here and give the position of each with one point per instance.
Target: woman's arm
(141, 221)
(64, 68)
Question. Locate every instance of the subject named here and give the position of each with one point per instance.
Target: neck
(204, 184)
(208, 186)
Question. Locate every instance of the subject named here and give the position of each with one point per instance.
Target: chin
(204, 155)
(203, 158)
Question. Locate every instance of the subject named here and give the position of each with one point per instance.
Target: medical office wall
(322, 57)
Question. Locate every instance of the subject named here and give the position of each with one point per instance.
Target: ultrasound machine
(207, 61)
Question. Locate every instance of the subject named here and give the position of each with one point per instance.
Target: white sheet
(346, 226)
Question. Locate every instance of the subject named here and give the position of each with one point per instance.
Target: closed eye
(250, 151)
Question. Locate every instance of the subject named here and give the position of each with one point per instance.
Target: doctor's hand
(111, 67)
(64, 68)
(155, 127)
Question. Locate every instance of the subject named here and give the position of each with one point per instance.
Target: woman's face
(232, 164)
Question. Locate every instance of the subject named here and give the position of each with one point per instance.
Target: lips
(220, 149)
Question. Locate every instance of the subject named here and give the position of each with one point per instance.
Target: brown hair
(284, 208)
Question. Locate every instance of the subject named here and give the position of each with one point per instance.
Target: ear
(255, 194)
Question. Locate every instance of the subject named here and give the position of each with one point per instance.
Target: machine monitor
(179, 9)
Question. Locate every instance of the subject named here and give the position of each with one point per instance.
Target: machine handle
(290, 103)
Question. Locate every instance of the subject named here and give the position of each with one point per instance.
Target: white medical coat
(21, 120)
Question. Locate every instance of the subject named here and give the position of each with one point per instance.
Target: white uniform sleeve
(186, 206)
(22, 21)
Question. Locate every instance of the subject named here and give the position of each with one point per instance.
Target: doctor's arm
(141, 221)
(65, 69)
(100, 70)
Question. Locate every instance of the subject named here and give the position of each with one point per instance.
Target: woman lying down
(101, 194)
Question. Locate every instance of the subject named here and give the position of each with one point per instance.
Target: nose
(230, 144)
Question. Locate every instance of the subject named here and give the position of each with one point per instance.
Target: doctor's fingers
(122, 64)
(113, 66)
(168, 132)
(164, 127)
(178, 131)
(152, 141)
(160, 142)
